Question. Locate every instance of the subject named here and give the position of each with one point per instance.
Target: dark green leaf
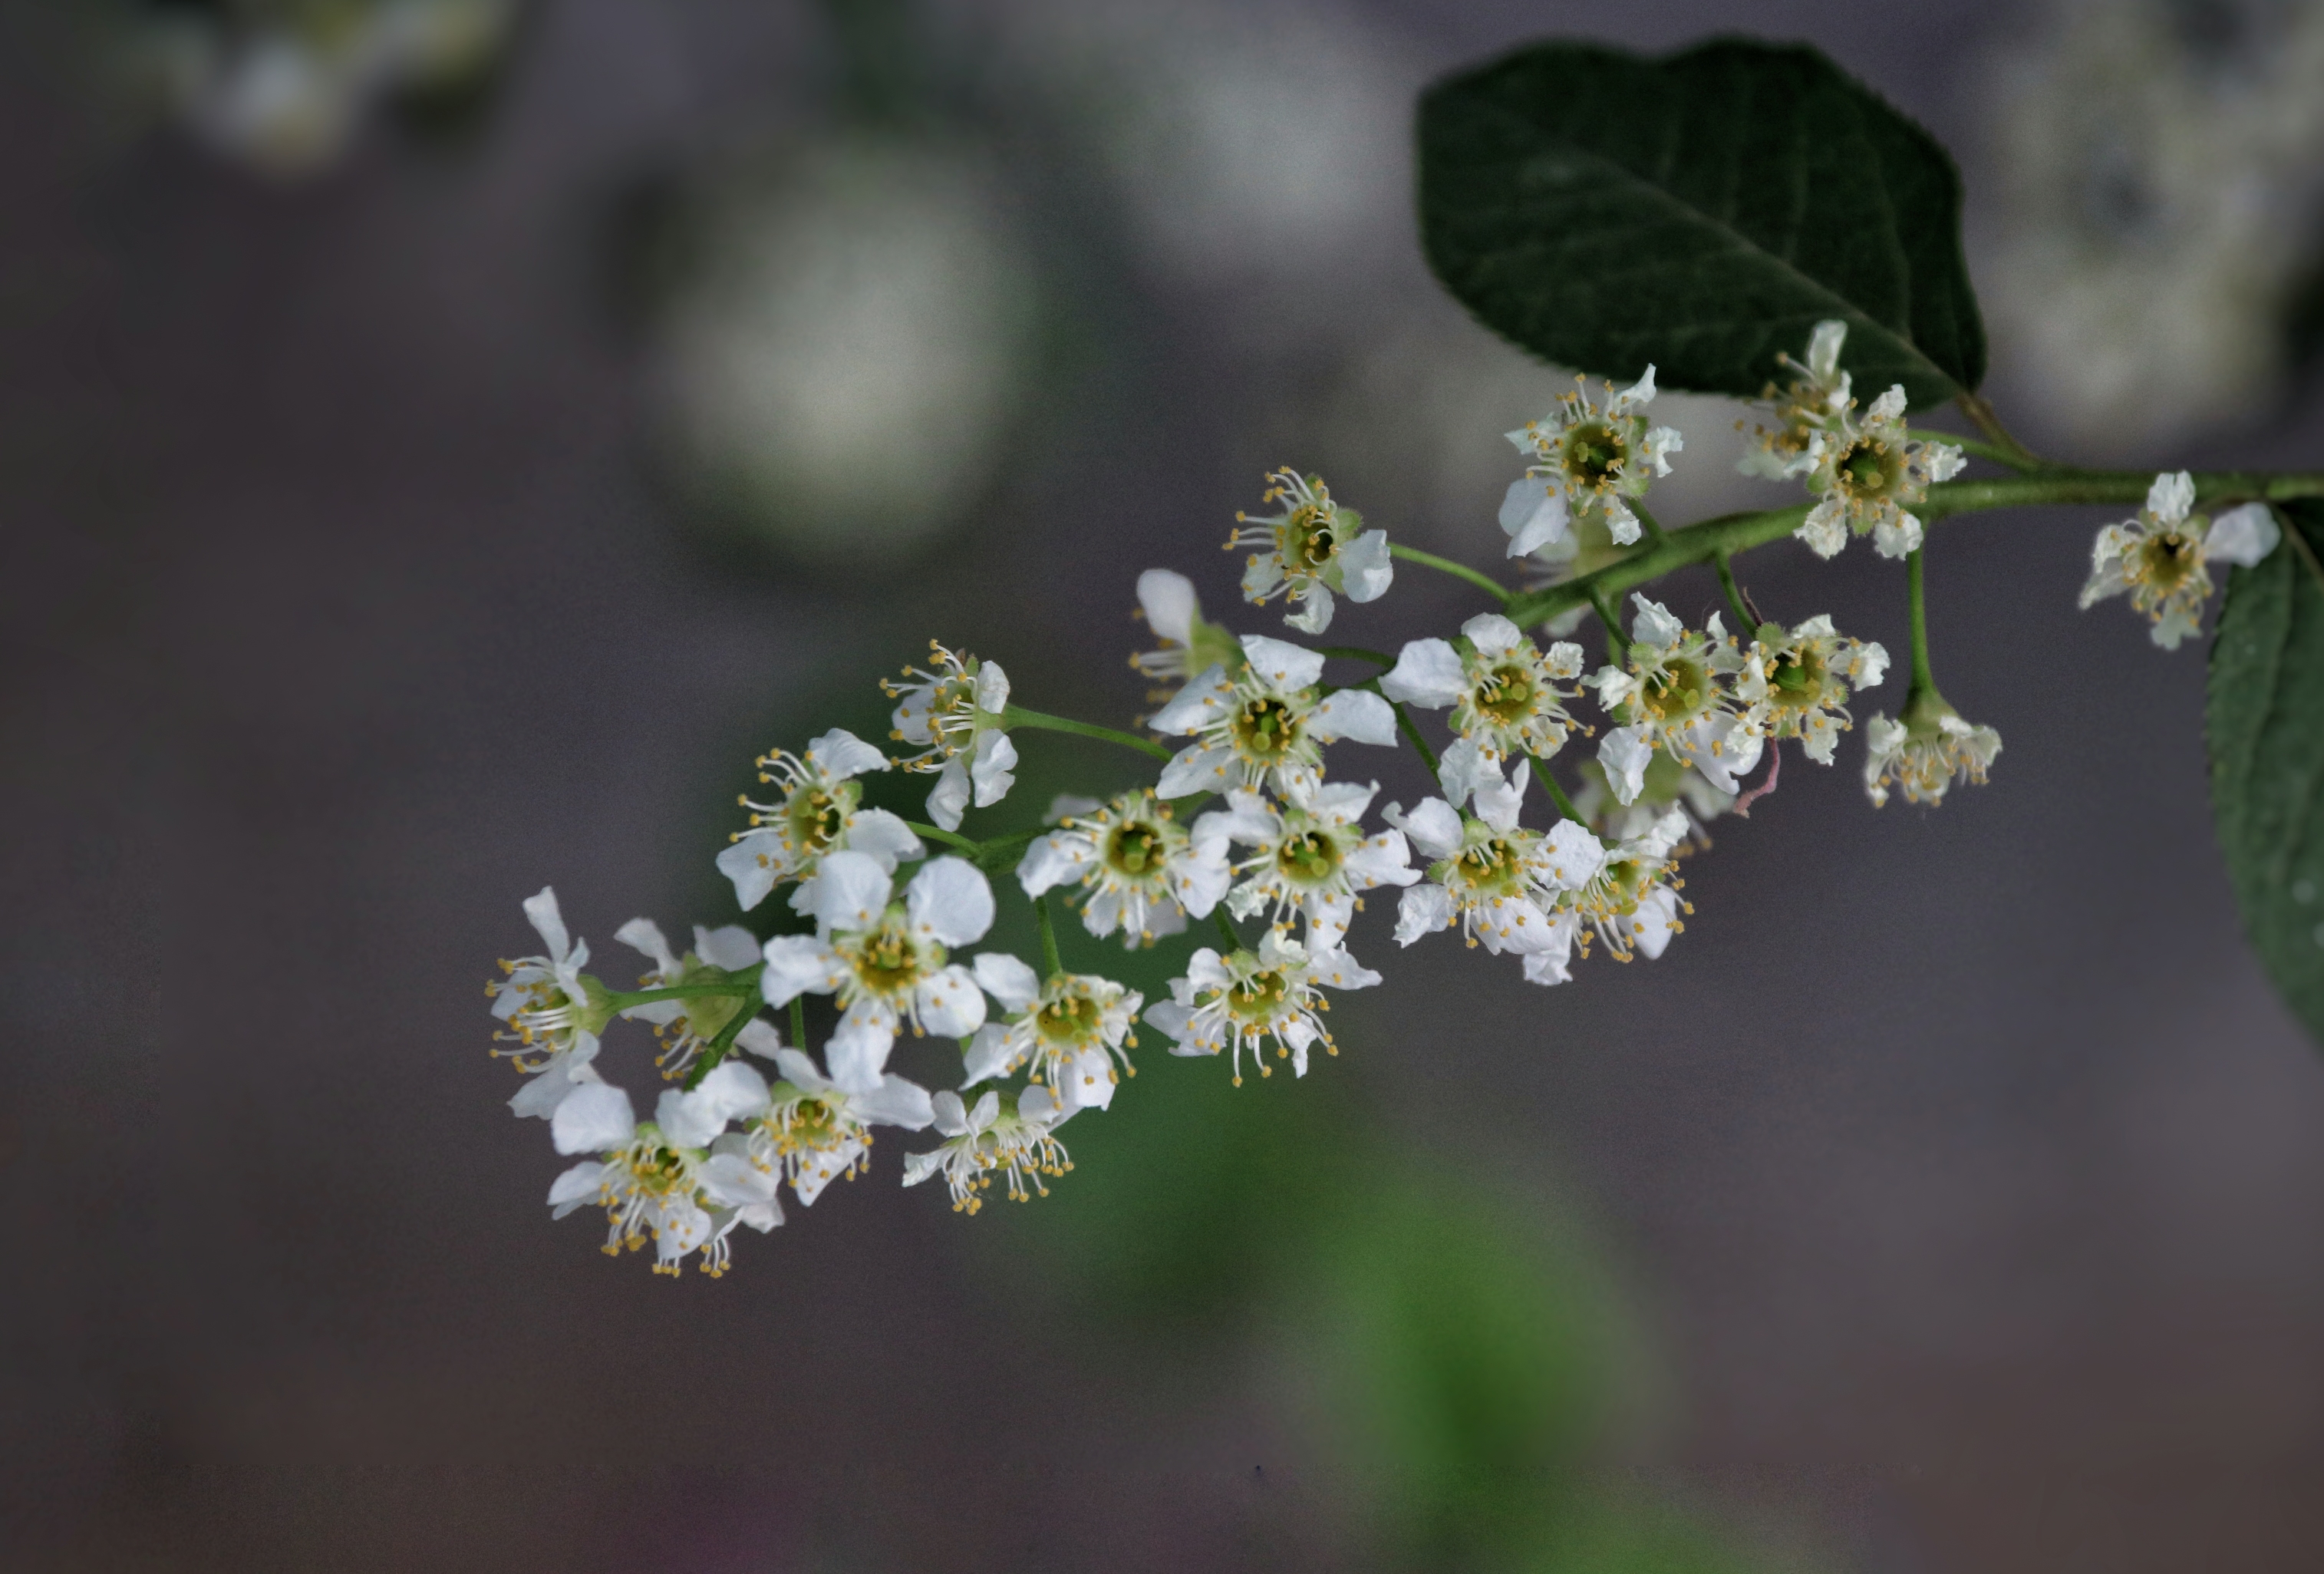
(2266, 729)
(1701, 213)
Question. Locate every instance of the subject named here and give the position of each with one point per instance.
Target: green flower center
(1071, 1020)
(812, 1124)
(1259, 998)
(1871, 469)
(1676, 689)
(2167, 559)
(657, 1168)
(1797, 680)
(1308, 857)
(1309, 539)
(889, 961)
(1266, 729)
(818, 815)
(1493, 866)
(1506, 694)
(1135, 848)
(1595, 455)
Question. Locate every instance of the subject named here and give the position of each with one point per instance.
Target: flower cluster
(1242, 827)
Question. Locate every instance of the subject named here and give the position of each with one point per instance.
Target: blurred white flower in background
(842, 368)
(281, 86)
(2161, 191)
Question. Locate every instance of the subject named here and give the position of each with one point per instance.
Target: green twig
(719, 1047)
(1616, 649)
(1226, 929)
(745, 982)
(1412, 735)
(1734, 602)
(1921, 681)
(1654, 526)
(1556, 793)
(951, 839)
(1017, 717)
(2012, 452)
(1447, 566)
(1050, 960)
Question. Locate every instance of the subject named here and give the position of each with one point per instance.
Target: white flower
(1796, 683)
(1071, 1031)
(1671, 695)
(1925, 753)
(686, 1025)
(817, 815)
(674, 1178)
(1189, 645)
(1866, 477)
(1237, 1002)
(1265, 725)
(1135, 869)
(1018, 1143)
(1506, 695)
(955, 714)
(557, 1011)
(1631, 902)
(1314, 547)
(2162, 560)
(1593, 461)
(811, 1130)
(1496, 879)
(885, 961)
(1817, 397)
(1311, 856)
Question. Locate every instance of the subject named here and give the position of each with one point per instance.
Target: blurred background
(442, 441)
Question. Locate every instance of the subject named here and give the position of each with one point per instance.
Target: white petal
(798, 965)
(819, 1169)
(1206, 768)
(1007, 980)
(575, 1185)
(1654, 623)
(1572, 855)
(851, 891)
(949, 796)
(858, 1047)
(897, 1103)
(1823, 348)
(1050, 861)
(1432, 824)
(732, 947)
(996, 757)
(688, 1119)
(1624, 754)
(1170, 605)
(1195, 705)
(991, 687)
(987, 1055)
(1656, 919)
(751, 862)
(2171, 496)
(1423, 910)
(950, 1004)
(541, 908)
(2243, 535)
(1427, 673)
(1315, 613)
(1366, 567)
(644, 935)
(1356, 715)
(841, 754)
(759, 1037)
(733, 1088)
(1493, 634)
(1279, 666)
(595, 1119)
(1499, 802)
(1461, 769)
(951, 899)
(1086, 1082)
(879, 834)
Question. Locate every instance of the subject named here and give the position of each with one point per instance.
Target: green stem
(1616, 649)
(1982, 416)
(1017, 717)
(1356, 654)
(798, 1022)
(1654, 526)
(718, 1047)
(1404, 724)
(1736, 532)
(1921, 681)
(1226, 931)
(950, 838)
(1556, 793)
(1745, 622)
(743, 983)
(1447, 566)
(1050, 960)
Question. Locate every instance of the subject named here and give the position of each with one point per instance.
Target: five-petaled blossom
(675, 1178)
(1135, 868)
(1925, 753)
(811, 1130)
(1631, 902)
(1672, 694)
(1238, 1002)
(817, 815)
(1315, 547)
(1589, 462)
(1507, 695)
(1815, 399)
(1019, 1141)
(1070, 1031)
(1266, 724)
(954, 715)
(2162, 560)
(1190, 647)
(687, 1024)
(1499, 881)
(1867, 476)
(885, 961)
(1796, 683)
(1309, 855)
(556, 1010)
